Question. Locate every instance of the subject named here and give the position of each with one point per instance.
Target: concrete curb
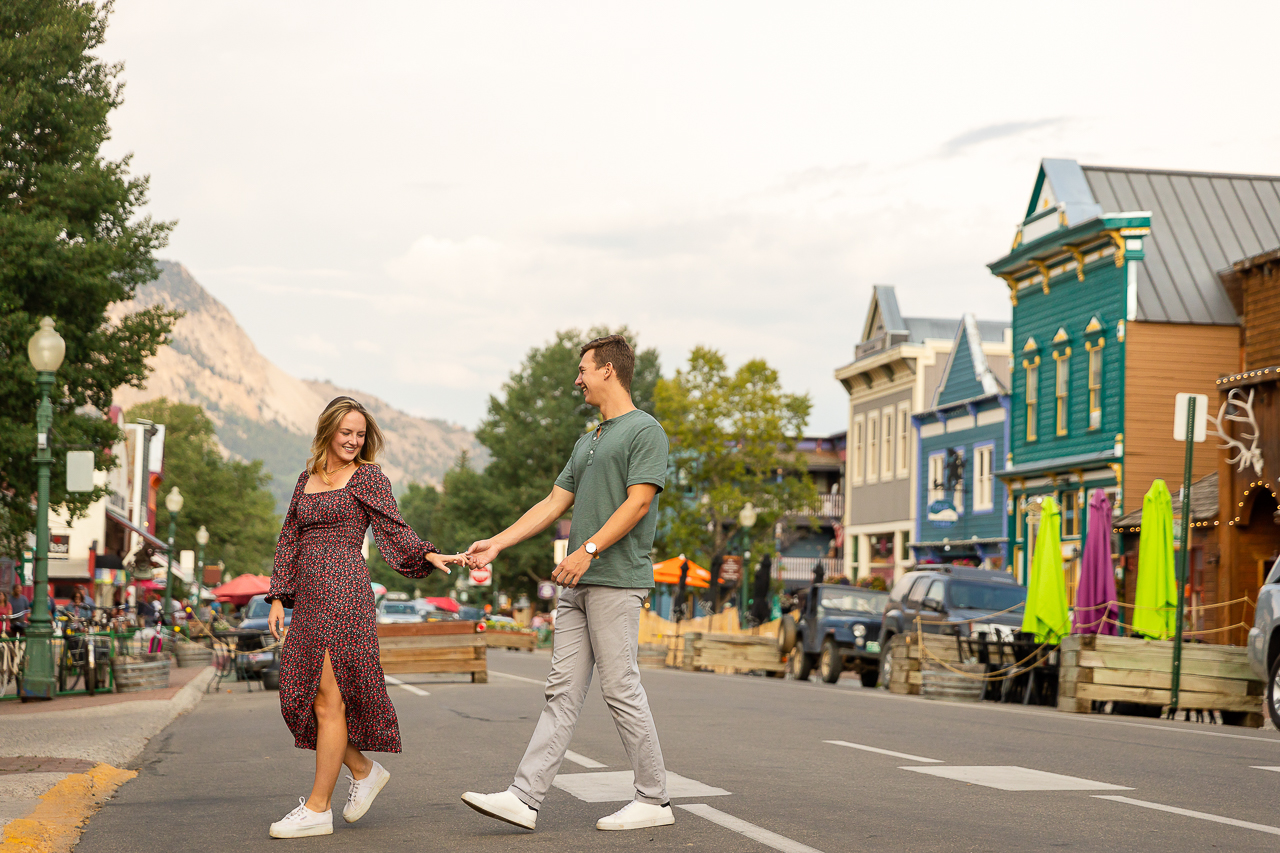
(56, 824)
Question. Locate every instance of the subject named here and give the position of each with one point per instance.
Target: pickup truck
(838, 631)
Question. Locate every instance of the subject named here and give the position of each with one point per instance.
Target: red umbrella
(444, 604)
(147, 585)
(241, 588)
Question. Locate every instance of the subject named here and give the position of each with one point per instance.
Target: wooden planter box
(433, 647)
(518, 640)
(731, 653)
(906, 676)
(135, 673)
(1121, 669)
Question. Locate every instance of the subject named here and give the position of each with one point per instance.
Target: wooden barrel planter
(192, 654)
(134, 673)
(939, 682)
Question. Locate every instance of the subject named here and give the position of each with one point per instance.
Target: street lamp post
(46, 351)
(173, 503)
(202, 539)
(746, 520)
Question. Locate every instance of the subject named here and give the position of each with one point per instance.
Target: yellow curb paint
(56, 824)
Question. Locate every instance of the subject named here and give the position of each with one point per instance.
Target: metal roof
(1201, 224)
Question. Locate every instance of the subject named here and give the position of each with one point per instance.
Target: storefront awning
(129, 525)
(1061, 465)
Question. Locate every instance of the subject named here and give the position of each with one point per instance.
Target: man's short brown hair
(614, 349)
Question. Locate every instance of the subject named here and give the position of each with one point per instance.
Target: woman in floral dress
(332, 691)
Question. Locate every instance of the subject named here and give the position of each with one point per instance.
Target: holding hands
(442, 561)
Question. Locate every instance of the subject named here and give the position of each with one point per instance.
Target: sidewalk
(59, 760)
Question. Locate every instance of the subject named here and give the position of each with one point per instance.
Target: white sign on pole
(80, 471)
(187, 560)
(1180, 416)
(559, 550)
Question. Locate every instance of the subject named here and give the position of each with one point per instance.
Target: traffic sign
(1180, 416)
(730, 569)
(546, 590)
(482, 576)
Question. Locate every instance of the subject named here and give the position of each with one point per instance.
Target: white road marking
(1243, 824)
(416, 691)
(582, 761)
(619, 785)
(880, 751)
(1007, 778)
(1274, 769)
(750, 830)
(518, 678)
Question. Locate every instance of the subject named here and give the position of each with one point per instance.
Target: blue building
(963, 438)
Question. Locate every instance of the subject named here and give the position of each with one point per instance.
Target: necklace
(336, 470)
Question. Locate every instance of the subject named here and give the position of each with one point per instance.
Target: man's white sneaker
(638, 815)
(505, 806)
(363, 791)
(302, 822)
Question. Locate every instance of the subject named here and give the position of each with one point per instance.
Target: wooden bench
(434, 647)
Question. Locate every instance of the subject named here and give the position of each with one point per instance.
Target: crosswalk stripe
(1229, 821)
(582, 761)
(416, 691)
(880, 751)
(770, 839)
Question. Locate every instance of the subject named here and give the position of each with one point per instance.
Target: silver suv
(1264, 641)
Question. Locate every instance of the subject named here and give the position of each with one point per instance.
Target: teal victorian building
(963, 440)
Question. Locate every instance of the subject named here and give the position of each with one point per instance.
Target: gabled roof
(1061, 183)
(967, 354)
(884, 317)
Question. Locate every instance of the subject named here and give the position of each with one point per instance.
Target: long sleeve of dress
(399, 545)
(283, 586)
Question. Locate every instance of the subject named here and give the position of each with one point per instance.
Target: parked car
(255, 619)
(432, 613)
(398, 613)
(470, 614)
(1264, 641)
(839, 631)
(958, 600)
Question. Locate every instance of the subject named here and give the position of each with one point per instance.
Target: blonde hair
(327, 426)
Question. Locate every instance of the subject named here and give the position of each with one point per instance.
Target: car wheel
(869, 677)
(829, 664)
(886, 663)
(271, 679)
(800, 664)
(786, 634)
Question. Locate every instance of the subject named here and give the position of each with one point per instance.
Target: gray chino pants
(596, 626)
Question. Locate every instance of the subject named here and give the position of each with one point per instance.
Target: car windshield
(260, 608)
(870, 603)
(399, 608)
(970, 595)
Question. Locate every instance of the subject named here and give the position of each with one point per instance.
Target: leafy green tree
(419, 507)
(229, 498)
(70, 245)
(733, 441)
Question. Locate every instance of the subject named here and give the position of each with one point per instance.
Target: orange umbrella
(241, 588)
(668, 571)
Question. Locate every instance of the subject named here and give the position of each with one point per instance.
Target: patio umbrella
(241, 588)
(668, 571)
(1096, 593)
(1156, 601)
(1046, 610)
(444, 603)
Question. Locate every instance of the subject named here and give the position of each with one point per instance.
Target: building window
(873, 448)
(886, 457)
(1033, 394)
(983, 478)
(1062, 379)
(1095, 383)
(937, 476)
(904, 440)
(1070, 513)
(859, 449)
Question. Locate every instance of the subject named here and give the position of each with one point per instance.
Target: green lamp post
(173, 503)
(202, 539)
(46, 351)
(746, 520)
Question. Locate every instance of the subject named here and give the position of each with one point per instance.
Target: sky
(406, 197)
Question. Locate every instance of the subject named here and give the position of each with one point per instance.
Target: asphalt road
(760, 747)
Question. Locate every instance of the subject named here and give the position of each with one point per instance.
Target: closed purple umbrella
(1096, 594)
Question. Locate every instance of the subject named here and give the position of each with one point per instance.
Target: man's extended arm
(539, 517)
(635, 507)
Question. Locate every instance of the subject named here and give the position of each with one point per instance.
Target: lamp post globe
(202, 539)
(173, 503)
(46, 349)
(746, 520)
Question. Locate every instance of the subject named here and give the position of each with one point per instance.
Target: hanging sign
(730, 570)
(943, 514)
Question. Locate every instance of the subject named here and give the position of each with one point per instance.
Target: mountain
(260, 411)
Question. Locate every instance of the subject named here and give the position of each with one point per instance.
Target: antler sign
(1238, 409)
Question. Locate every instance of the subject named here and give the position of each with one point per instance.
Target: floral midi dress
(320, 572)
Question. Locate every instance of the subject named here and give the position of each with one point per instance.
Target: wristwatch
(592, 550)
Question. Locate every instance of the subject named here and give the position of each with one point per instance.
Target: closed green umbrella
(1156, 601)
(1046, 614)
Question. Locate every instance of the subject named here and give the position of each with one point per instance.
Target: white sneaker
(302, 822)
(363, 791)
(505, 806)
(638, 815)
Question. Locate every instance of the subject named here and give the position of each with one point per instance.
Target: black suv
(958, 600)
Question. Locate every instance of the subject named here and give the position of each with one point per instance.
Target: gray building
(897, 367)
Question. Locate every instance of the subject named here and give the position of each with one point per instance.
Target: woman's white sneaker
(504, 806)
(638, 815)
(363, 792)
(302, 822)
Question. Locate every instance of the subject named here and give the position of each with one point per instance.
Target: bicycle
(81, 653)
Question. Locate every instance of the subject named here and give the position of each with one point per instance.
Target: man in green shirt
(611, 481)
